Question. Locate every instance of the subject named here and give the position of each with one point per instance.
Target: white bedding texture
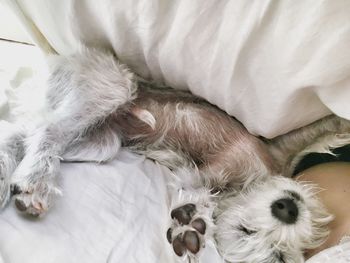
(274, 65)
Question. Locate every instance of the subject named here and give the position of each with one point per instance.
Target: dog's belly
(190, 127)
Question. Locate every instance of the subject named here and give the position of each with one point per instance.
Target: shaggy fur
(230, 178)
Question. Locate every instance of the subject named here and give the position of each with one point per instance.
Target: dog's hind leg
(83, 91)
(100, 144)
(11, 153)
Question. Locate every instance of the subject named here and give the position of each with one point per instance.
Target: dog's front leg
(83, 91)
(191, 211)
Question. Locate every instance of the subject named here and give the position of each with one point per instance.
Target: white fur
(270, 237)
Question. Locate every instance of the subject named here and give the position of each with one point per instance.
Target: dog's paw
(34, 199)
(187, 231)
(34, 184)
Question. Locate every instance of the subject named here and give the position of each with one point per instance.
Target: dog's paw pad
(184, 214)
(179, 246)
(199, 225)
(191, 241)
(20, 205)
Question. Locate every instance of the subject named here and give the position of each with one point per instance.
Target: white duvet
(275, 65)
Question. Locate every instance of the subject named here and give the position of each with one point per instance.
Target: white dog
(229, 186)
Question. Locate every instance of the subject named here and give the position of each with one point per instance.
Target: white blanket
(274, 65)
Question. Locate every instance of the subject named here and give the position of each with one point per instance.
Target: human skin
(333, 179)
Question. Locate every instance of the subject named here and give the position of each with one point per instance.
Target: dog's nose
(285, 210)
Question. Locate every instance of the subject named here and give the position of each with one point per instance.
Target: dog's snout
(285, 210)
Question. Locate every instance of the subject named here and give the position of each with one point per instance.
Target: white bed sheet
(115, 212)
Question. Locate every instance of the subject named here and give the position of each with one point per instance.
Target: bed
(274, 65)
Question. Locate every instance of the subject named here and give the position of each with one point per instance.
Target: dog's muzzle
(285, 210)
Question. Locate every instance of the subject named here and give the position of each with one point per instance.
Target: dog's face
(273, 220)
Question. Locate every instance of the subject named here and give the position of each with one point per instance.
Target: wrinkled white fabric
(108, 213)
(339, 253)
(274, 65)
(116, 212)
